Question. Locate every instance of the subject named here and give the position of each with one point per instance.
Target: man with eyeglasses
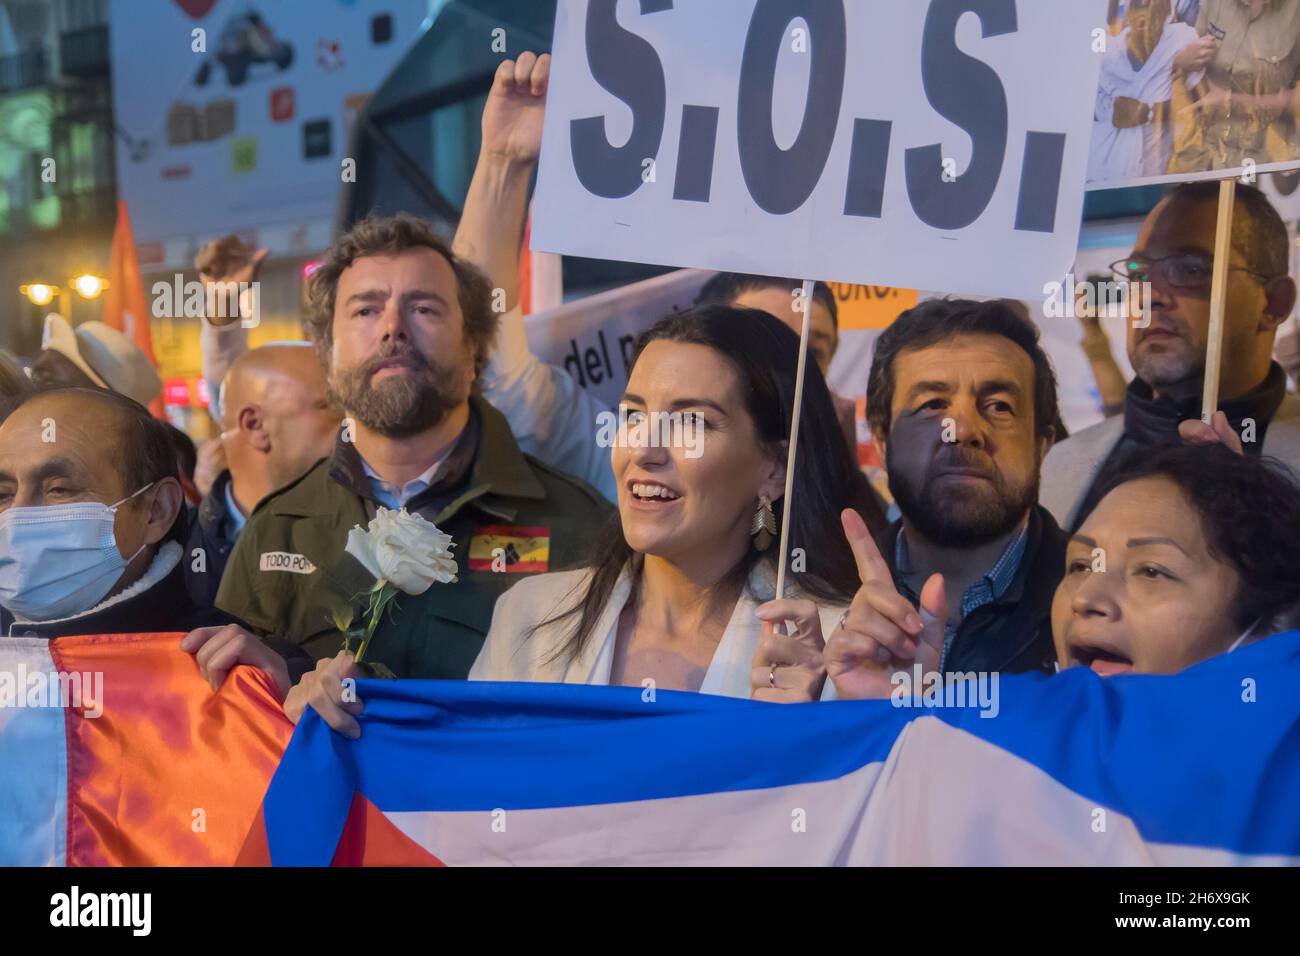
(1170, 271)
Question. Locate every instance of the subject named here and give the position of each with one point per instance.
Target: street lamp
(39, 293)
(86, 285)
(89, 286)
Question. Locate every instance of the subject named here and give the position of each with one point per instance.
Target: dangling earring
(764, 527)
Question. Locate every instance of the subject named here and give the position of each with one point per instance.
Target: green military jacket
(508, 514)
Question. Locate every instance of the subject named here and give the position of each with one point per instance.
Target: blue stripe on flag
(1185, 757)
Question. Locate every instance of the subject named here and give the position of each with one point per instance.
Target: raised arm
(552, 417)
(492, 225)
(222, 265)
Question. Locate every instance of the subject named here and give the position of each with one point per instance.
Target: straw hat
(108, 357)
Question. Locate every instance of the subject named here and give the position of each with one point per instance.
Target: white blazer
(508, 653)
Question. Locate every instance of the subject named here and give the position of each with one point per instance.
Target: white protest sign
(919, 144)
(592, 339)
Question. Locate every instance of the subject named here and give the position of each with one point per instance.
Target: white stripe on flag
(33, 761)
(799, 825)
(947, 798)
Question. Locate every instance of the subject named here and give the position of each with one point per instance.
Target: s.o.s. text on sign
(924, 144)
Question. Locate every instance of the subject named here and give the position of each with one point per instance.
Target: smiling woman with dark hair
(672, 597)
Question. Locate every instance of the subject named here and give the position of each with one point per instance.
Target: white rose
(404, 550)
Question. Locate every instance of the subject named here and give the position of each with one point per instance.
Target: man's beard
(961, 516)
(401, 405)
(1165, 372)
(1167, 368)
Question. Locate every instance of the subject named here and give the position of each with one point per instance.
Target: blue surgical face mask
(59, 560)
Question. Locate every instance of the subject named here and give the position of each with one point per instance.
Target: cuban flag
(115, 752)
(1202, 768)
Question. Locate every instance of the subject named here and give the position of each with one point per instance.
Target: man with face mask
(963, 401)
(401, 325)
(89, 498)
(89, 531)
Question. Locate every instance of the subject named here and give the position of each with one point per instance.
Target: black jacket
(1152, 423)
(167, 606)
(208, 533)
(1013, 634)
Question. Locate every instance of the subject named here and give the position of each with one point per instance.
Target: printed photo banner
(938, 144)
(1195, 89)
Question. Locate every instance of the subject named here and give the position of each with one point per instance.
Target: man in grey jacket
(1174, 253)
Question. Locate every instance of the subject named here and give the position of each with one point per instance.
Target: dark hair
(142, 448)
(726, 287)
(1260, 235)
(188, 455)
(1288, 620)
(53, 369)
(1250, 513)
(388, 236)
(939, 319)
(764, 353)
(13, 380)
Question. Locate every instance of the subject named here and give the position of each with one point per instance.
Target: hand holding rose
(324, 691)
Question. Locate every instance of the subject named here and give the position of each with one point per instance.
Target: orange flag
(125, 308)
(541, 276)
(116, 752)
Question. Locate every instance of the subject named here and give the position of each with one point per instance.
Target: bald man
(277, 422)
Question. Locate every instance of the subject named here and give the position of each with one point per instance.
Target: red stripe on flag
(370, 839)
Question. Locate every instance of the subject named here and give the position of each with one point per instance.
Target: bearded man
(962, 399)
(402, 327)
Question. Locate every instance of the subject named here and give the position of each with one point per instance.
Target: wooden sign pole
(806, 302)
(1218, 296)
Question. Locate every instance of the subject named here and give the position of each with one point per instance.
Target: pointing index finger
(871, 566)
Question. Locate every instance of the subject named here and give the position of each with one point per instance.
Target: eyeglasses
(1187, 271)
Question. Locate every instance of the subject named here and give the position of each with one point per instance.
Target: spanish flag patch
(510, 548)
